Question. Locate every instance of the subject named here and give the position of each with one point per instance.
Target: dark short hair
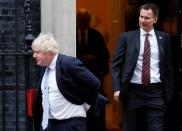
(84, 12)
(152, 6)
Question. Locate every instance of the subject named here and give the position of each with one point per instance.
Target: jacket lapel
(136, 38)
(160, 40)
(58, 70)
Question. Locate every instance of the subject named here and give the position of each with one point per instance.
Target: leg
(130, 119)
(101, 125)
(72, 124)
(155, 119)
(91, 120)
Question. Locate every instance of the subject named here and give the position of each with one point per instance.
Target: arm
(97, 58)
(169, 77)
(117, 64)
(84, 78)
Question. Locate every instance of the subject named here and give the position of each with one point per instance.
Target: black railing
(16, 67)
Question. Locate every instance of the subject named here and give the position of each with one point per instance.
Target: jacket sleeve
(117, 63)
(88, 82)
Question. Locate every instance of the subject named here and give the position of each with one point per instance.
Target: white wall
(59, 18)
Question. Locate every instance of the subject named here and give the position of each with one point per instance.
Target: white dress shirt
(154, 59)
(60, 107)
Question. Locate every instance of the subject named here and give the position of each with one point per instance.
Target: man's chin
(38, 63)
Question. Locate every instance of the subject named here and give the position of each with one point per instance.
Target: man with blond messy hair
(65, 91)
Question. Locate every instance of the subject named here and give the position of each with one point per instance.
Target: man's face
(83, 21)
(147, 19)
(42, 58)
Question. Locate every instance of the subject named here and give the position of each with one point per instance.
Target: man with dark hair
(142, 73)
(92, 51)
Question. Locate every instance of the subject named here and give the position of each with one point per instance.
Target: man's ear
(156, 18)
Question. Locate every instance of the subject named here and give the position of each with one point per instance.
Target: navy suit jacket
(125, 59)
(76, 83)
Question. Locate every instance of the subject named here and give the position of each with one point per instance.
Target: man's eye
(37, 52)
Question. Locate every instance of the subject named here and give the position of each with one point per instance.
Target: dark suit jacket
(95, 46)
(125, 58)
(76, 83)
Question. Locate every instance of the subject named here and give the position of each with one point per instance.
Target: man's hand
(87, 106)
(116, 96)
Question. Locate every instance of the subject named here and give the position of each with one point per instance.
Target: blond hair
(45, 43)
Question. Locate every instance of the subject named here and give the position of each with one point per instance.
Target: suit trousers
(145, 108)
(71, 124)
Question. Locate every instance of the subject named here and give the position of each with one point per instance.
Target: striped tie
(146, 62)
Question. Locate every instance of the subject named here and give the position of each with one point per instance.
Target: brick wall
(13, 82)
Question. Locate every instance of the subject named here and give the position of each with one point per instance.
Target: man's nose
(34, 55)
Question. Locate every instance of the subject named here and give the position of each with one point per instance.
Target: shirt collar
(52, 65)
(86, 31)
(142, 32)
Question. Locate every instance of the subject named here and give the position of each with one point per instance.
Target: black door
(19, 20)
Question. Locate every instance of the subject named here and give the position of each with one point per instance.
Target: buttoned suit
(76, 83)
(124, 63)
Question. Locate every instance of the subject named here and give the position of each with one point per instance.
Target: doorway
(122, 15)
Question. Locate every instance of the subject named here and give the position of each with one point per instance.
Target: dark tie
(45, 100)
(83, 40)
(146, 62)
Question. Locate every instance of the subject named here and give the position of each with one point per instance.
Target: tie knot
(147, 34)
